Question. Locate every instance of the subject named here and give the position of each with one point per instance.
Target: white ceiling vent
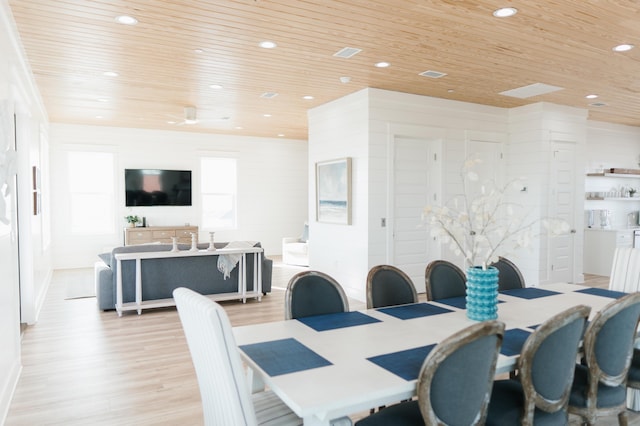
(597, 104)
(347, 52)
(269, 95)
(432, 74)
(531, 90)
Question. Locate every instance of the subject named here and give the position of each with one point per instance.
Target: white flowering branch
(485, 226)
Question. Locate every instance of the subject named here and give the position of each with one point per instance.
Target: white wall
(336, 130)
(272, 185)
(18, 95)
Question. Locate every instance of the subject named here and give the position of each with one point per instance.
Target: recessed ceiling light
(307, 97)
(98, 116)
(591, 96)
(198, 50)
(110, 74)
(345, 79)
(267, 44)
(623, 47)
(238, 127)
(382, 64)
(126, 20)
(281, 135)
(216, 86)
(450, 91)
(102, 99)
(505, 12)
(171, 122)
(266, 115)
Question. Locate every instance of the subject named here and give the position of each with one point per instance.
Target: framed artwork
(333, 191)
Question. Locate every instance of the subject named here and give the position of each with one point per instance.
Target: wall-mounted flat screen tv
(156, 187)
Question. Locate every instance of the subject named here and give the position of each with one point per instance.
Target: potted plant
(632, 191)
(132, 220)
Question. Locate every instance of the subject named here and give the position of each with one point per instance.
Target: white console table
(241, 294)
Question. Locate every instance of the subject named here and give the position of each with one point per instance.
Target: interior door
(561, 248)
(416, 183)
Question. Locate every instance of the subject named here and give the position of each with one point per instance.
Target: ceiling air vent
(268, 95)
(598, 104)
(432, 74)
(347, 52)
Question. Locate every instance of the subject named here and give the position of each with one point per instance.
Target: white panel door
(561, 248)
(416, 183)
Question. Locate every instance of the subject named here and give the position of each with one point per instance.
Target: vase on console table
(194, 242)
(482, 293)
(211, 247)
(175, 244)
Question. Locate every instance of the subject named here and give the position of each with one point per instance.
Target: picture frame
(333, 191)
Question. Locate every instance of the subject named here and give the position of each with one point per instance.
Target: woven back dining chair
(443, 280)
(599, 384)
(540, 393)
(312, 293)
(389, 286)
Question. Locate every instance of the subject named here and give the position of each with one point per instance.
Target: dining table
(328, 366)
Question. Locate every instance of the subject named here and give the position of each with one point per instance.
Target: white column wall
(336, 130)
(272, 185)
(533, 128)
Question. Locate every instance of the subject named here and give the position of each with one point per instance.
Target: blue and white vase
(482, 293)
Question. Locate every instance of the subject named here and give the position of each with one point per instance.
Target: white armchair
(295, 250)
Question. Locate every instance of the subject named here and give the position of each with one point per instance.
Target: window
(91, 183)
(219, 185)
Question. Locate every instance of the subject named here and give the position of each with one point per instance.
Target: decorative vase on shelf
(194, 242)
(175, 244)
(482, 293)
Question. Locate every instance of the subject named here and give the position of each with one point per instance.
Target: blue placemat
(338, 320)
(456, 302)
(603, 292)
(405, 364)
(415, 310)
(284, 356)
(529, 293)
(513, 340)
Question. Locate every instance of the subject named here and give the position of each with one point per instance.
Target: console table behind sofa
(162, 275)
(138, 257)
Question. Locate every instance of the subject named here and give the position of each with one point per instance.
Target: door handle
(573, 231)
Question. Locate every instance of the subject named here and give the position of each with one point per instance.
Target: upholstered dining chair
(454, 384)
(546, 366)
(443, 280)
(510, 276)
(599, 384)
(389, 286)
(224, 389)
(313, 293)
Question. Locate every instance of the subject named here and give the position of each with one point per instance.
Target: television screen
(155, 187)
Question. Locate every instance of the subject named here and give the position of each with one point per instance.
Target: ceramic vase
(175, 244)
(212, 246)
(482, 293)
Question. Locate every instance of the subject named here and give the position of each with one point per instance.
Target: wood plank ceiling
(181, 47)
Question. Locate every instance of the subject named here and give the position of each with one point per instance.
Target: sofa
(199, 273)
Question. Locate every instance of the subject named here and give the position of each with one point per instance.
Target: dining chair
(443, 280)
(633, 380)
(540, 393)
(389, 286)
(625, 270)
(509, 276)
(599, 384)
(313, 293)
(224, 388)
(454, 384)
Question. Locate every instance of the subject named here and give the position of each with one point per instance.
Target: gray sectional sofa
(199, 273)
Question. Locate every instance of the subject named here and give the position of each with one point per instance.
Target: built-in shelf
(616, 175)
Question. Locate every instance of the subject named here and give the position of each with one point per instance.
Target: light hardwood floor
(82, 366)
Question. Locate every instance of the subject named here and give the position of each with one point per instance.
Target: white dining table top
(352, 383)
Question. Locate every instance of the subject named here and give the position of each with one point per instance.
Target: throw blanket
(226, 262)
